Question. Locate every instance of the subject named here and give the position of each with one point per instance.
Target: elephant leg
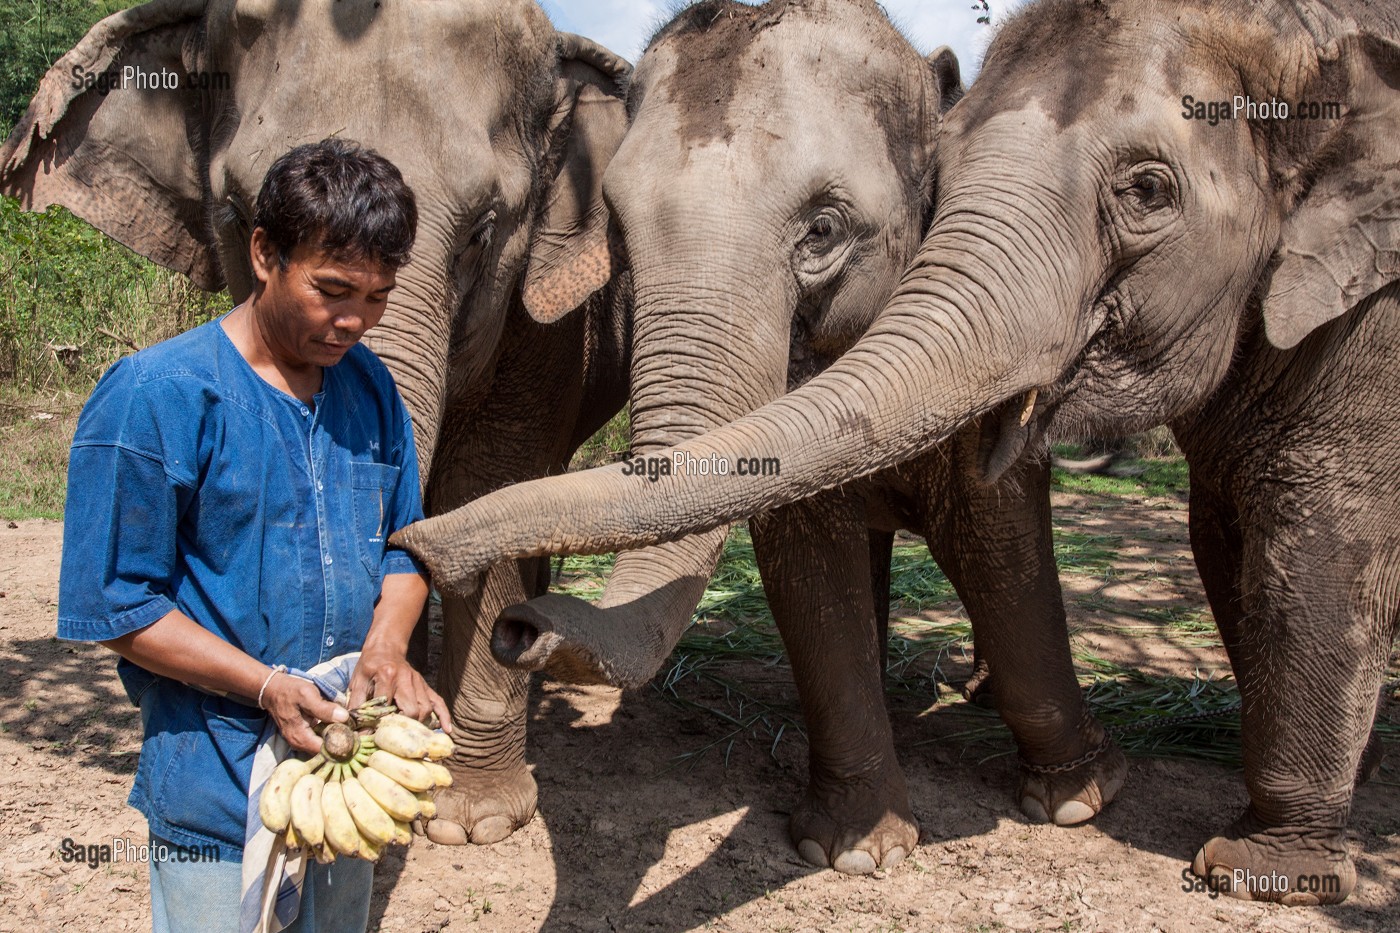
(995, 545)
(881, 553)
(1308, 651)
(493, 792)
(522, 428)
(814, 556)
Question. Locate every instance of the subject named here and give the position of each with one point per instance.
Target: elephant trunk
(685, 380)
(959, 338)
(412, 341)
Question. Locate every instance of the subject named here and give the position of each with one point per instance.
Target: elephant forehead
(386, 59)
(779, 61)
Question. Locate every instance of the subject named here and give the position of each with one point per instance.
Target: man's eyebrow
(327, 278)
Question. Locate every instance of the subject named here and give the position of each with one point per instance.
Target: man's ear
(121, 158)
(1342, 242)
(571, 253)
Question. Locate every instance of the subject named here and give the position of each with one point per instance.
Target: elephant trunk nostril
(512, 639)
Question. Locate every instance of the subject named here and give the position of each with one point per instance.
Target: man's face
(314, 311)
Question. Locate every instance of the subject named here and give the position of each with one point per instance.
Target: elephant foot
(482, 807)
(978, 689)
(1072, 793)
(1290, 865)
(855, 827)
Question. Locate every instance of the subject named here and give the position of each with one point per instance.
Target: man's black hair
(340, 197)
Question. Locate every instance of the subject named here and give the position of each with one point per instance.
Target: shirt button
(330, 640)
(329, 560)
(319, 487)
(305, 412)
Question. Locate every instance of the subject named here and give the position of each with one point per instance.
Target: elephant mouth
(1013, 428)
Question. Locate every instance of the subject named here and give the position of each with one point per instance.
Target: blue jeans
(203, 897)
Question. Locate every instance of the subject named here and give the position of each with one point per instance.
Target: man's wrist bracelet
(276, 669)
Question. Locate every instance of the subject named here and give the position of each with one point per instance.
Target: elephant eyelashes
(485, 230)
(1148, 188)
(819, 250)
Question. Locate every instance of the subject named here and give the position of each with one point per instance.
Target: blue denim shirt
(194, 484)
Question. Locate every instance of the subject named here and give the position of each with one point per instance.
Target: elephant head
(158, 126)
(775, 180)
(1097, 256)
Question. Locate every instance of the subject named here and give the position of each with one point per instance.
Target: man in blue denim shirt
(230, 494)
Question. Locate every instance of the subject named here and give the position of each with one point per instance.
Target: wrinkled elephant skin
(512, 234)
(1101, 260)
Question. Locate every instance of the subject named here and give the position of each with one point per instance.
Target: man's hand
(296, 705)
(384, 669)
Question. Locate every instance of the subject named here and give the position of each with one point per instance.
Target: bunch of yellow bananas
(359, 793)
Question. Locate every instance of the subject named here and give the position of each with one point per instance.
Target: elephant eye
(822, 233)
(1149, 189)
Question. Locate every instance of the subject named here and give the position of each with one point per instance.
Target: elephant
(1115, 246)
(157, 129)
(818, 228)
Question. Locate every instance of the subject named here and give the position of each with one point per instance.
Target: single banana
(440, 746)
(411, 774)
(275, 804)
(398, 801)
(394, 736)
(341, 833)
(407, 722)
(306, 809)
(293, 840)
(403, 833)
(368, 850)
(427, 806)
(441, 776)
(375, 825)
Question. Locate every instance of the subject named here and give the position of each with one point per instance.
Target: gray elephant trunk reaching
(652, 593)
(916, 377)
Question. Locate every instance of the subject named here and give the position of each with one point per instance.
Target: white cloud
(624, 25)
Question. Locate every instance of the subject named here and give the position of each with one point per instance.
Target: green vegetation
(72, 301)
(33, 34)
(1157, 478)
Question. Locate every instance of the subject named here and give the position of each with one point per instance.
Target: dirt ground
(630, 838)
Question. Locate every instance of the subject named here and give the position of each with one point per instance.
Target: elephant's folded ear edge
(572, 252)
(1342, 242)
(92, 153)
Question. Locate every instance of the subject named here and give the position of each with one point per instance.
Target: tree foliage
(33, 34)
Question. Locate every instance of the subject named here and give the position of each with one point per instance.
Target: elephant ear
(571, 252)
(947, 74)
(1342, 242)
(122, 160)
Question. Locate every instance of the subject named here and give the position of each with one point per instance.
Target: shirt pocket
(372, 487)
(205, 786)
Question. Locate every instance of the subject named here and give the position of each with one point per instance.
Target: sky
(624, 25)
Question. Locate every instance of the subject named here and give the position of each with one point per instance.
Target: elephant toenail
(1222, 880)
(810, 850)
(1034, 810)
(855, 862)
(893, 857)
(492, 829)
(447, 833)
(1073, 811)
